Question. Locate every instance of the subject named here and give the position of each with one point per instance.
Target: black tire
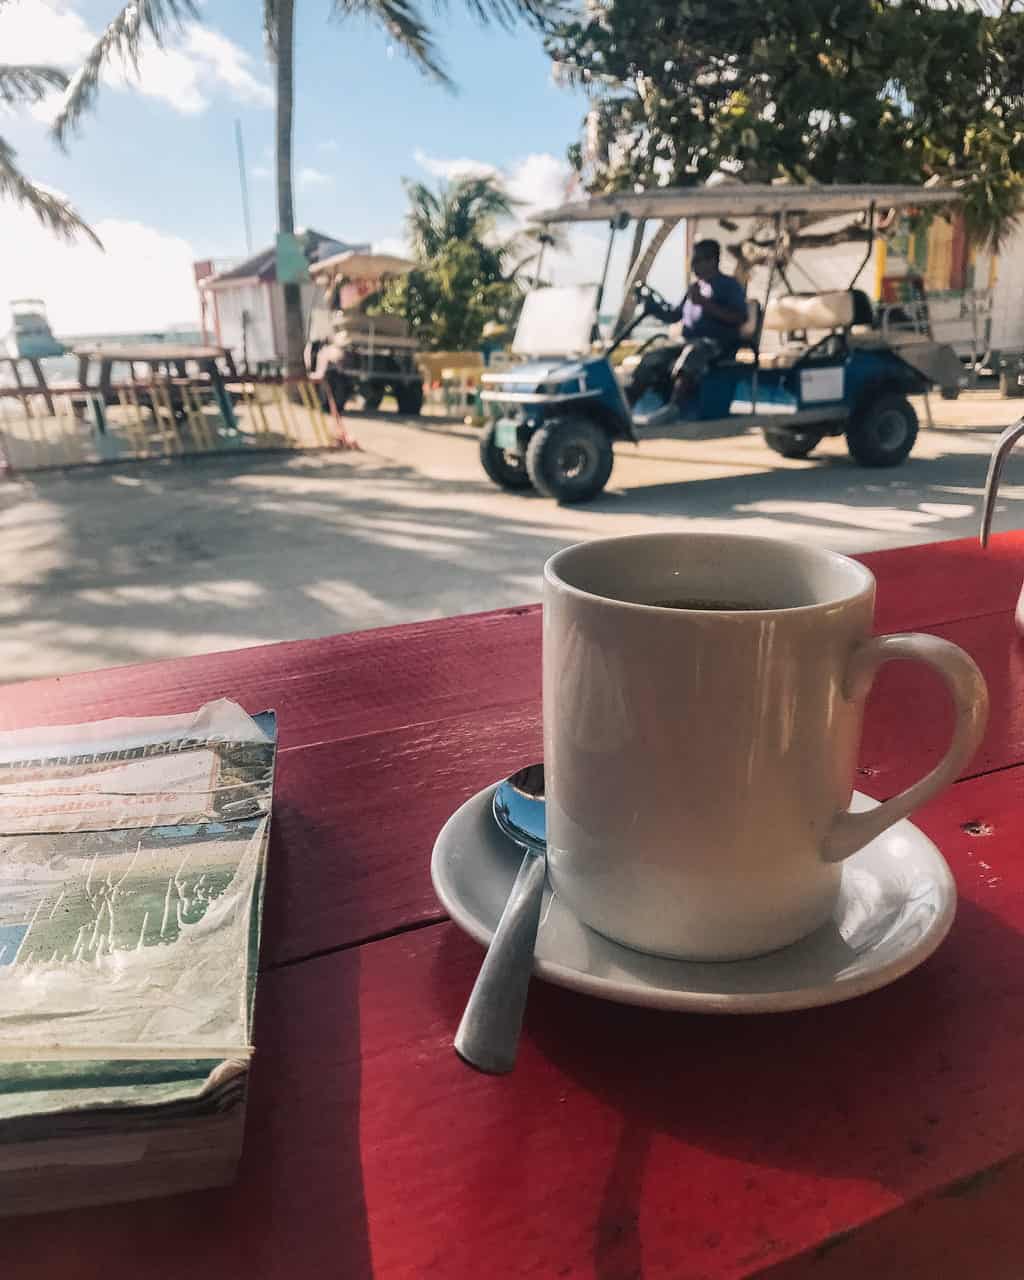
(950, 393)
(409, 396)
(791, 444)
(883, 431)
(1009, 383)
(569, 459)
(372, 395)
(508, 471)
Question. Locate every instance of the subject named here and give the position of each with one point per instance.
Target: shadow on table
(911, 1086)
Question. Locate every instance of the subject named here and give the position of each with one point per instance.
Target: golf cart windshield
(557, 321)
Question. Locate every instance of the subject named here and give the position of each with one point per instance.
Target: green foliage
(464, 276)
(806, 90)
(20, 86)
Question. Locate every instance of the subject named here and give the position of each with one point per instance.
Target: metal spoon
(488, 1035)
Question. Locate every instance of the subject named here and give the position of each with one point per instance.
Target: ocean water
(65, 368)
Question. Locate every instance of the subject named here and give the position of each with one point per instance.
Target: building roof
(262, 266)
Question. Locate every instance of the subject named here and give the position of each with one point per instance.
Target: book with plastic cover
(132, 856)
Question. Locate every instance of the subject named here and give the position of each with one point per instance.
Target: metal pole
(545, 240)
(773, 267)
(871, 244)
(244, 184)
(613, 227)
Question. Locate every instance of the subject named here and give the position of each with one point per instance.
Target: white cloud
(193, 65)
(35, 31)
(449, 170)
(310, 177)
(539, 180)
(396, 245)
(143, 280)
(228, 64)
(260, 171)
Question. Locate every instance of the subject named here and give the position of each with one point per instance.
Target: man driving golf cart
(713, 312)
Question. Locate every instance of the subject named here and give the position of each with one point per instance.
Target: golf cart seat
(836, 311)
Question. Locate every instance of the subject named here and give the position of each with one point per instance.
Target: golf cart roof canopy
(353, 265)
(748, 200)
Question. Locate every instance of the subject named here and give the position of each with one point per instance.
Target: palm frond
(123, 38)
(506, 13)
(53, 211)
(466, 210)
(19, 84)
(406, 27)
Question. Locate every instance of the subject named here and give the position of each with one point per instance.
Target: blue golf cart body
(838, 368)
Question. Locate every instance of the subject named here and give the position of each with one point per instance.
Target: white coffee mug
(700, 759)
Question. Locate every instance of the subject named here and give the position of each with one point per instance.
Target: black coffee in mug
(719, 606)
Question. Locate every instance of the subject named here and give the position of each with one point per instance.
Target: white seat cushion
(809, 311)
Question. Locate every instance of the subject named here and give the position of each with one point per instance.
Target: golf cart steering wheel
(650, 299)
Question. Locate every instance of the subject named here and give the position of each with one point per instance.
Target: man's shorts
(696, 358)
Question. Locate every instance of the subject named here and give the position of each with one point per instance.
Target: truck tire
(1009, 382)
(791, 444)
(341, 387)
(569, 459)
(410, 397)
(508, 471)
(372, 395)
(883, 431)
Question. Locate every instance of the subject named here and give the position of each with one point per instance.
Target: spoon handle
(488, 1035)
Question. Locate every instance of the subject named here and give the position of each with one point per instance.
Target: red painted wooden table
(882, 1137)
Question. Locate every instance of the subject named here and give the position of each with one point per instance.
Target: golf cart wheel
(791, 444)
(372, 396)
(507, 470)
(883, 432)
(949, 393)
(409, 396)
(569, 459)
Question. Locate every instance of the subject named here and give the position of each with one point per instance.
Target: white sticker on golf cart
(817, 385)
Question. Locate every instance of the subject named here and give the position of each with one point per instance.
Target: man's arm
(666, 314)
(730, 310)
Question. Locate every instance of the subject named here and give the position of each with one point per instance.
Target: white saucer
(896, 905)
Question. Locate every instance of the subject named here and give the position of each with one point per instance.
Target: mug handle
(852, 831)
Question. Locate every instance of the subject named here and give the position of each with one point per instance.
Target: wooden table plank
(354, 823)
(628, 1141)
(921, 587)
(909, 718)
(326, 689)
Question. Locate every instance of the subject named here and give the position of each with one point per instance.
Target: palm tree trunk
(294, 336)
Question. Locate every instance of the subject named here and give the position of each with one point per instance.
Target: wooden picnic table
(883, 1137)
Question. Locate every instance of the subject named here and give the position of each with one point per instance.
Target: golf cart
(358, 354)
(835, 370)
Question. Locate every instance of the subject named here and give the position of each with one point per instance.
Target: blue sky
(156, 173)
